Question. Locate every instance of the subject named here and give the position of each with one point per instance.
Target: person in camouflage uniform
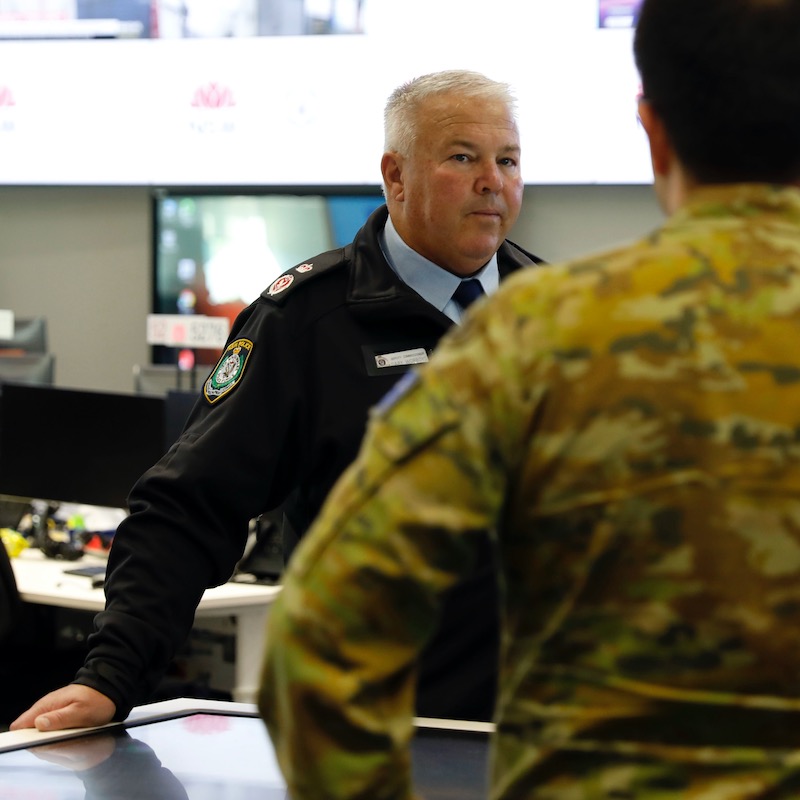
(628, 424)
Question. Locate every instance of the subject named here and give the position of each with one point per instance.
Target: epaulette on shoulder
(525, 253)
(286, 284)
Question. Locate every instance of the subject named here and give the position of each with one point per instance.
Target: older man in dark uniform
(284, 411)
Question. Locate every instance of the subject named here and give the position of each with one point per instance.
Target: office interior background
(81, 257)
(105, 105)
(253, 97)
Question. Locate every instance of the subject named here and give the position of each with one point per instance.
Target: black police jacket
(279, 420)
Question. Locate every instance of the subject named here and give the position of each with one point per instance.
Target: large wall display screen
(272, 92)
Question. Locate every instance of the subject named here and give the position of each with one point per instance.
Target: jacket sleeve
(190, 513)
(362, 593)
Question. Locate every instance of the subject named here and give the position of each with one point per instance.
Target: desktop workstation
(239, 610)
(66, 448)
(24, 354)
(183, 747)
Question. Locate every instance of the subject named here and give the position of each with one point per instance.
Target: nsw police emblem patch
(229, 370)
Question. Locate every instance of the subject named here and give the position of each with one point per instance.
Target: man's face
(454, 198)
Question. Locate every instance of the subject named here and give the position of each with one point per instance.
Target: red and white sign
(187, 330)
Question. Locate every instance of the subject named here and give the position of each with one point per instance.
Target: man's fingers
(73, 706)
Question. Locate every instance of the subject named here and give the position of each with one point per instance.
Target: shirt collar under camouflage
(743, 199)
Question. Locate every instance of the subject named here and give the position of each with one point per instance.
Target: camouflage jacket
(629, 426)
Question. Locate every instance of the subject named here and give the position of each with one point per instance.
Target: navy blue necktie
(468, 292)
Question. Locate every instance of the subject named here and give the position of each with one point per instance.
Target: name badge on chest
(386, 360)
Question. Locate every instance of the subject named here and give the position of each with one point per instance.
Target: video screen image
(203, 756)
(215, 254)
(180, 19)
(618, 13)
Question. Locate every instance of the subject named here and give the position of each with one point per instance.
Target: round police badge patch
(229, 370)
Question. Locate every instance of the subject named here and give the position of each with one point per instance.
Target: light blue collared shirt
(430, 281)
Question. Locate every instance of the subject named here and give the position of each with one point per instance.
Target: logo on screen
(212, 95)
(212, 109)
(6, 102)
(6, 97)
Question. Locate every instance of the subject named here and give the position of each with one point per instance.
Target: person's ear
(661, 152)
(392, 172)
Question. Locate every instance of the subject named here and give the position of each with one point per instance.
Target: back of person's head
(724, 77)
(401, 115)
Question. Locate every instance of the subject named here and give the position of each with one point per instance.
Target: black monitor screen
(215, 253)
(69, 445)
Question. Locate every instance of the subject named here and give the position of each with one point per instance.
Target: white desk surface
(42, 580)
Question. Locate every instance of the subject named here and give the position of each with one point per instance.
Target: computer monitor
(177, 407)
(31, 369)
(30, 336)
(80, 446)
(160, 379)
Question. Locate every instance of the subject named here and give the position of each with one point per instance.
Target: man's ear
(392, 172)
(661, 152)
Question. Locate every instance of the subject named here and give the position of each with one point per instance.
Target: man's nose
(490, 179)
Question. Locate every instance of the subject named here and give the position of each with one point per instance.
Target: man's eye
(462, 157)
(507, 162)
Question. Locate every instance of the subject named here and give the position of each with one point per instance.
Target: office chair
(10, 602)
(34, 659)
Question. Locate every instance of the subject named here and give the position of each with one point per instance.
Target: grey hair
(400, 118)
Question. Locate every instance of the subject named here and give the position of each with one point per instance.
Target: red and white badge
(278, 285)
(305, 268)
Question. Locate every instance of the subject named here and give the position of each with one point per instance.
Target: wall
(81, 257)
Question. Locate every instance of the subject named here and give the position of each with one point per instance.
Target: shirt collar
(430, 281)
(738, 199)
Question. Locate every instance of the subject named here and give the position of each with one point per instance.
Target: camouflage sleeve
(360, 597)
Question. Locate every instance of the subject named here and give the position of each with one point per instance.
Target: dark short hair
(724, 76)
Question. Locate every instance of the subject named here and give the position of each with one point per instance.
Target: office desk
(42, 580)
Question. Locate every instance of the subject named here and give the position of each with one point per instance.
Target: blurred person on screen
(282, 414)
(628, 426)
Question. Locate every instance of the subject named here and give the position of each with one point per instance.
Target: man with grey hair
(282, 415)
